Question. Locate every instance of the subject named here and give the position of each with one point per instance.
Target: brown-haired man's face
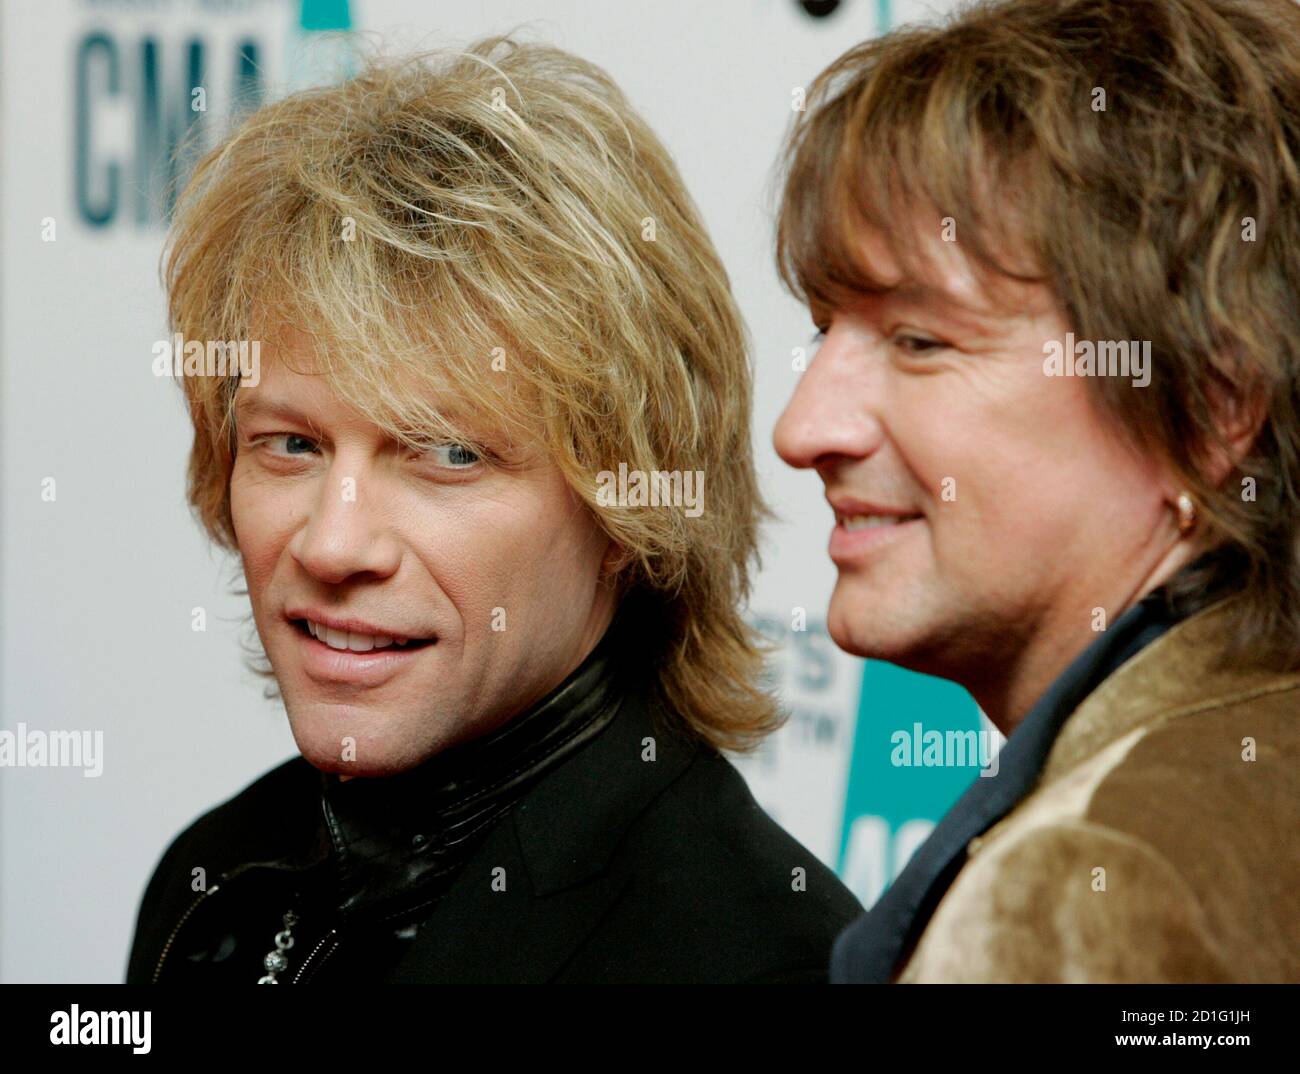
(1011, 509)
(491, 574)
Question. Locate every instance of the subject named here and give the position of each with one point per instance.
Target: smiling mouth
(350, 641)
(862, 522)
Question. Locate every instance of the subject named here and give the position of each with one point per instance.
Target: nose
(346, 534)
(832, 413)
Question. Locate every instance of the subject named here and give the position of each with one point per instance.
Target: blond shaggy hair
(497, 227)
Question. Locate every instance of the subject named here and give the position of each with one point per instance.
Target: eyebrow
(982, 321)
(272, 408)
(260, 406)
(918, 291)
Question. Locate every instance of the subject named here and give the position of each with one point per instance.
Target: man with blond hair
(509, 682)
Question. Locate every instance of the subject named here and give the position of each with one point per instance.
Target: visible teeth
(861, 522)
(350, 640)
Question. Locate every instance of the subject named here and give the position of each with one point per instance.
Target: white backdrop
(100, 562)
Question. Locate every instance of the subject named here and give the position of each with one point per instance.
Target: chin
(854, 623)
(353, 747)
(869, 646)
(845, 636)
(867, 632)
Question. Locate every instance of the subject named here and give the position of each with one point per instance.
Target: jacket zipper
(223, 878)
(176, 931)
(332, 938)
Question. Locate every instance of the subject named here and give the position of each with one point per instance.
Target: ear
(1238, 413)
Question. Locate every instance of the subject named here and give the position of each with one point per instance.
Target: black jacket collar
(556, 847)
(542, 880)
(397, 839)
(528, 892)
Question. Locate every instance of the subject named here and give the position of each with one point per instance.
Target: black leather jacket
(551, 849)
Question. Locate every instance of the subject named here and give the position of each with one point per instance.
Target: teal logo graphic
(315, 15)
(890, 808)
(320, 48)
(159, 81)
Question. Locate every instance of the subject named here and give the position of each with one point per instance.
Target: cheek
(955, 439)
(564, 548)
(1039, 472)
(525, 554)
(995, 464)
(259, 522)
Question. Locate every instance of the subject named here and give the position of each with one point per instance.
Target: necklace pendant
(276, 961)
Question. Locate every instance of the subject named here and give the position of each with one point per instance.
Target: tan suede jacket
(1161, 844)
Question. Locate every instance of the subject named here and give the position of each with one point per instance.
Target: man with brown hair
(1052, 247)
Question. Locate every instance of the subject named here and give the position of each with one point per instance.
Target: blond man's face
(491, 574)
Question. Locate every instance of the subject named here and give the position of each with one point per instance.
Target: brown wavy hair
(1170, 214)
(503, 201)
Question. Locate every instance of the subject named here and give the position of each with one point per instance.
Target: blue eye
(454, 456)
(291, 440)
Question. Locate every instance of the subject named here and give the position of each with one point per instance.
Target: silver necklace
(277, 961)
